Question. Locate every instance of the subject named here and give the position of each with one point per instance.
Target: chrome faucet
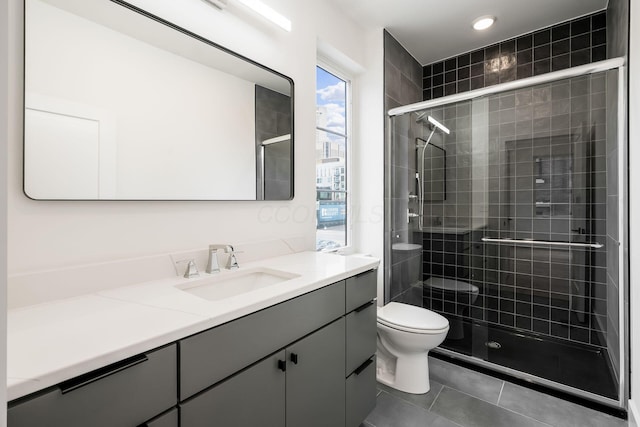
(213, 266)
(191, 270)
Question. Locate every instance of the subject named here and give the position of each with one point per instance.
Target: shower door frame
(623, 264)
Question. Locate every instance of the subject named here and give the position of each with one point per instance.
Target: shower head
(277, 139)
(434, 122)
(439, 125)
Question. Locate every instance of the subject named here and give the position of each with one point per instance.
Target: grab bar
(542, 242)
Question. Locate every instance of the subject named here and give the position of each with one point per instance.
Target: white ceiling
(436, 29)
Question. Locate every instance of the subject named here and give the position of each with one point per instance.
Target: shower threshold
(580, 370)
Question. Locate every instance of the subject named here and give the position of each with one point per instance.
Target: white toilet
(406, 333)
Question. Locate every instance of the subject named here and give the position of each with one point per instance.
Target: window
(332, 109)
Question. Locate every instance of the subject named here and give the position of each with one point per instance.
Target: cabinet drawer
(213, 355)
(361, 393)
(169, 419)
(254, 397)
(361, 289)
(121, 395)
(361, 335)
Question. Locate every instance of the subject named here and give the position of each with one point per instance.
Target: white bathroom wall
(368, 154)
(45, 235)
(634, 211)
(5, 114)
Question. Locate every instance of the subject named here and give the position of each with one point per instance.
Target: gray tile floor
(461, 397)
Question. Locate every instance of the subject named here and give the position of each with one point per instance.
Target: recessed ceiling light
(483, 22)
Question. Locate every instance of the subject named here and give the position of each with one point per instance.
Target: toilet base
(409, 373)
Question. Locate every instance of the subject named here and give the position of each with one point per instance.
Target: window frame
(348, 136)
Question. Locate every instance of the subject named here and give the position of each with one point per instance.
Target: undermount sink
(231, 284)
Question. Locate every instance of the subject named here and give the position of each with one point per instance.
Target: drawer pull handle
(362, 367)
(98, 374)
(294, 358)
(363, 307)
(282, 365)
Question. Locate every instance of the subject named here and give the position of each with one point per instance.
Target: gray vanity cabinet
(126, 393)
(360, 289)
(213, 355)
(315, 379)
(306, 362)
(361, 393)
(361, 332)
(253, 397)
(301, 385)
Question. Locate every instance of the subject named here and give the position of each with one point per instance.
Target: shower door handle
(595, 245)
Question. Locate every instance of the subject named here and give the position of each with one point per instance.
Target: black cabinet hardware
(294, 358)
(362, 367)
(98, 374)
(364, 306)
(282, 365)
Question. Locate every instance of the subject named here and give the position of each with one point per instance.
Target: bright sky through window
(331, 164)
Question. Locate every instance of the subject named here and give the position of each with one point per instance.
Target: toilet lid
(451, 285)
(411, 317)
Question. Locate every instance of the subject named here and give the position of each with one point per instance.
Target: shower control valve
(411, 215)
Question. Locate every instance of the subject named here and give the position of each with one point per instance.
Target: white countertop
(52, 342)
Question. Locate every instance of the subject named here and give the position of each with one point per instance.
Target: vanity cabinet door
(253, 397)
(315, 379)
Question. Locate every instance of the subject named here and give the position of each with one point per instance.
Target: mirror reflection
(119, 106)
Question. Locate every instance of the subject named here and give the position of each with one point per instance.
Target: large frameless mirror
(121, 105)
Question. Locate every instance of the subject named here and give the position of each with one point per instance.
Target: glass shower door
(514, 248)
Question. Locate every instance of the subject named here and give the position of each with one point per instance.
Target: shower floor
(579, 366)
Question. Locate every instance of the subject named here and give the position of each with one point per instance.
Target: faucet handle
(191, 270)
(232, 263)
(212, 264)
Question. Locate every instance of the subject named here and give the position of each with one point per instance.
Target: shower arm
(421, 183)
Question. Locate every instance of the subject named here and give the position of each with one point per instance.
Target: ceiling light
(483, 22)
(268, 13)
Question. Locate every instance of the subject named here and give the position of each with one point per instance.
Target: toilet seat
(413, 319)
(414, 331)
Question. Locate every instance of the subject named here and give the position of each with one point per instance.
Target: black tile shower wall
(402, 86)
(618, 28)
(576, 42)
